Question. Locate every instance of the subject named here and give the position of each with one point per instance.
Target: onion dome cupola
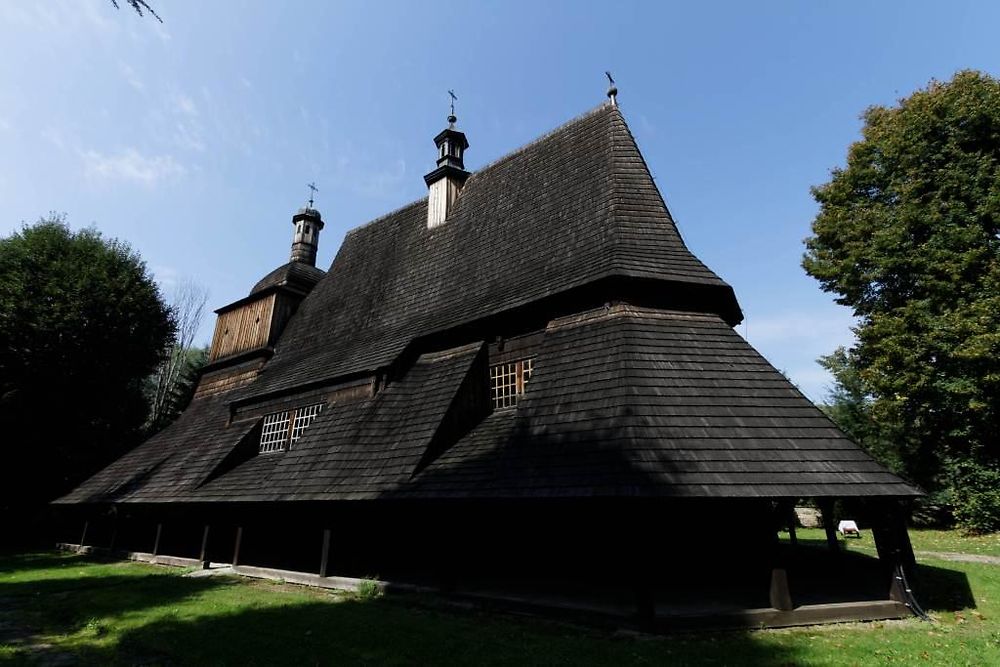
(445, 182)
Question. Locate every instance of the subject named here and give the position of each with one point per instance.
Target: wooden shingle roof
(646, 400)
(573, 208)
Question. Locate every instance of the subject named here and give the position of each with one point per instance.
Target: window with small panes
(282, 429)
(508, 382)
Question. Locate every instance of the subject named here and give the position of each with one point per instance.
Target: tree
(850, 406)
(171, 386)
(82, 323)
(908, 235)
(139, 6)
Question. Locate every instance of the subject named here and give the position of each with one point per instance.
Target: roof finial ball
(612, 89)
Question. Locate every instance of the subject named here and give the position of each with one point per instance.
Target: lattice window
(282, 429)
(304, 417)
(275, 432)
(508, 380)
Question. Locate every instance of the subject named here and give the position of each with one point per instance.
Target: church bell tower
(305, 239)
(445, 183)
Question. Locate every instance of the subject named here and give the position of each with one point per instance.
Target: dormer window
(508, 381)
(282, 429)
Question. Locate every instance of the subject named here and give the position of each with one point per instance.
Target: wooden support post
(236, 549)
(204, 549)
(114, 535)
(156, 542)
(826, 507)
(83, 536)
(892, 542)
(781, 596)
(645, 604)
(792, 519)
(324, 558)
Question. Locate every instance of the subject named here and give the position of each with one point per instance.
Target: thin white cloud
(33, 16)
(131, 77)
(185, 105)
(131, 166)
(55, 137)
(814, 381)
(378, 183)
(189, 137)
(792, 341)
(792, 328)
(167, 276)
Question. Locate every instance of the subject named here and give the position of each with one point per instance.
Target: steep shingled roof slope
(573, 207)
(623, 402)
(172, 463)
(641, 402)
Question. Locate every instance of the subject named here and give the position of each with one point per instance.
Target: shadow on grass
(387, 632)
(13, 562)
(942, 589)
(64, 604)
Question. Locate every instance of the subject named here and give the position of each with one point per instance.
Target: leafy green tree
(850, 406)
(82, 323)
(908, 235)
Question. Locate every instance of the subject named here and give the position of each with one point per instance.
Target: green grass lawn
(58, 607)
(948, 541)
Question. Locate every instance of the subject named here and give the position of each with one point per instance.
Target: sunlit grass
(945, 541)
(128, 613)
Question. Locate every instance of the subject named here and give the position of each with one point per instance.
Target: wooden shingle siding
(245, 328)
(228, 379)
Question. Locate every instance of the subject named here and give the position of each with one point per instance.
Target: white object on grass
(848, 527)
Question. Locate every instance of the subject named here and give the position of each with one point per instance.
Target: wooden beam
(324, 558)
(826, 507)
(83, 537)
(236, 549)
(203, 557)
(781, 596)
(156, 542)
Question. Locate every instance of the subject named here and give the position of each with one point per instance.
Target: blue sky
(193, 139)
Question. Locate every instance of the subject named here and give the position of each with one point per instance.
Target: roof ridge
(539, 139)
(490, 165)
(382, 217)
(645, 166)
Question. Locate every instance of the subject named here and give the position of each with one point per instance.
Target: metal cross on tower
(313, 190)
(612, 89)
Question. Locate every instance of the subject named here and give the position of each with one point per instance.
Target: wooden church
(524, 383)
